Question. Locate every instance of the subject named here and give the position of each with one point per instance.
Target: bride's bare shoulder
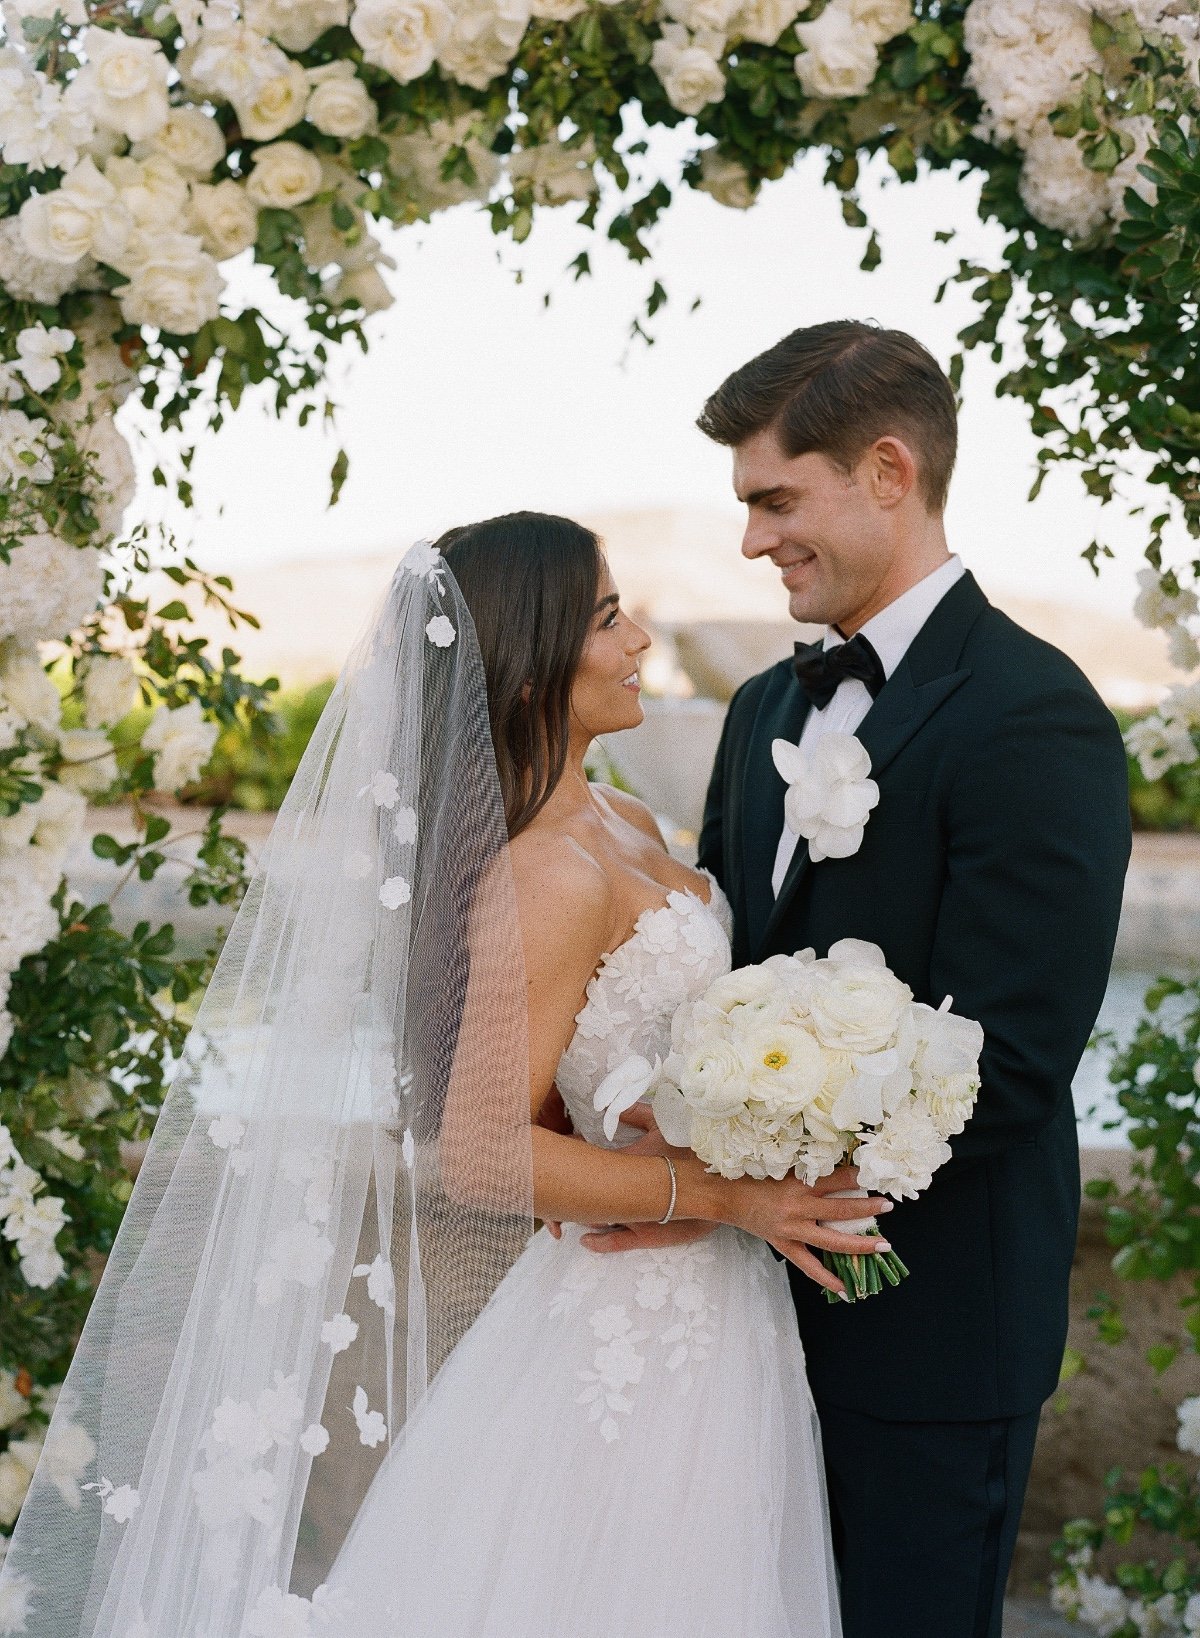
(564, 897)
(633, 811)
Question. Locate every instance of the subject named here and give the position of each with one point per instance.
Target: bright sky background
(476, 398)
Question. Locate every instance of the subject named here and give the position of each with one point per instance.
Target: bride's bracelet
(674, 1190)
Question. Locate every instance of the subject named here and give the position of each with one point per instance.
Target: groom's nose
(759, 538)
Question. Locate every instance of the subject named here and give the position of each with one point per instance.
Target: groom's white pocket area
(830, 794)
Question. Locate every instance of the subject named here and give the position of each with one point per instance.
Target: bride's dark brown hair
(530, 581)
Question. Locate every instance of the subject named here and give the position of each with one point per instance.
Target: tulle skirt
(622, 1446)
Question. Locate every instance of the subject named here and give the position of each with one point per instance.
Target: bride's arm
(565, 907)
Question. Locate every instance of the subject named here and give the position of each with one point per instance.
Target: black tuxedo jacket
(991, 870)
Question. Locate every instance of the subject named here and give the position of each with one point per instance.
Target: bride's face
(605, 695)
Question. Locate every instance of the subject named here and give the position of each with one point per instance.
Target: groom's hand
(645, 1236)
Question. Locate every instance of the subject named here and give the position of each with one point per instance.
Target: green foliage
(254, 762)
(1171, 801)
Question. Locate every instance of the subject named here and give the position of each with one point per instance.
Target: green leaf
(175, 610)
(338, 474)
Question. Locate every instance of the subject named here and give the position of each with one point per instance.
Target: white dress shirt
(890, 633)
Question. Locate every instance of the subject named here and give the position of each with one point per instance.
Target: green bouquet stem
(866, 1275)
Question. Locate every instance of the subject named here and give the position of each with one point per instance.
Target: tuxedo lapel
(925, 678)
(781, 715)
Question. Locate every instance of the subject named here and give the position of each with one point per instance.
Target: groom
(990, 871)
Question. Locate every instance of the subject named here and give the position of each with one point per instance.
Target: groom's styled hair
(834, 389)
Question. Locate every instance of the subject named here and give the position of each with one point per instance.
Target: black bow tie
(819, 670)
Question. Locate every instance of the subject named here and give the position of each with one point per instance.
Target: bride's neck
(573, 793)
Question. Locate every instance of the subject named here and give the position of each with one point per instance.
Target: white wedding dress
(643, 1419)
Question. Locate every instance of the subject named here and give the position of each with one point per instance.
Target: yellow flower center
(775, 1060)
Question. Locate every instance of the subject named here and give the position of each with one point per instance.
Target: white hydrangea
(48, 587)
(1025, 57)
(110, 690)
(182, 742)
(403, 37)
(1160, 1618)
(123, 82)
(689, 68)
(1101, 1606)
(1058, 188)
(112, 480)
(484, 38)
(25, 687)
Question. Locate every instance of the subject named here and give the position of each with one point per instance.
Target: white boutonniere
(829, 796)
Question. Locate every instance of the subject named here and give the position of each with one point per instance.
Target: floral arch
(144, 144)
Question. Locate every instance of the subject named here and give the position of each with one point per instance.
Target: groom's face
(821, 526)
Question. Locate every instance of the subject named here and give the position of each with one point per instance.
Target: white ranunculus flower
(110, 690)
(47, 587)
(839, 58)
(881, 20)
(689, 69)
(26, 687)
(123, 82)
(230, 62)
(901, 1157)
(559, 174)
(1059, 189)
(401, 36)
(745, 992)
(29, 277)
(175, 286)
(277, 105)
(713, 1077)
(285, 175)
(830, 796)
(62, 225)
(339, 104)
(182, 742)
(296, 24)
(224, 217)
(763, 21)
(38, 353)
(191, 139)
(483, 40)
(90, 763)
(858, 1008)
(785, 1066)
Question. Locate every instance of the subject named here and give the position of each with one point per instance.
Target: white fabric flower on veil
(830, 796)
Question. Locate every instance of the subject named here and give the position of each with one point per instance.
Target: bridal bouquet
(798, 1064)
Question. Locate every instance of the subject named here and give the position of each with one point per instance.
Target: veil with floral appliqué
(339, 1178)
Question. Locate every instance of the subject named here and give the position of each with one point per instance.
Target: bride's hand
(792, 1217)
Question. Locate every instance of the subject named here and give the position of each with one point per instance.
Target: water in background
(1095, 1099)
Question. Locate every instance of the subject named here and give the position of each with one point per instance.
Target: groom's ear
(891, 471)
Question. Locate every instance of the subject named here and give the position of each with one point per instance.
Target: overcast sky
(477, 398)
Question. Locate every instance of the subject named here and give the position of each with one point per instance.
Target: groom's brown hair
(835, 388)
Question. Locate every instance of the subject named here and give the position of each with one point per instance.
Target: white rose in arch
(830, 796)
(839, 57)
(339, 104)
(224, 217)
(401, 36)
(689, 68)
(123, 82)
(277, 104)
(284, 175)
(182, 742)
(191, 139)
(881, 20)
(176, 286)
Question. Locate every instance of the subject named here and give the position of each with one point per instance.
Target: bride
(332, 1382)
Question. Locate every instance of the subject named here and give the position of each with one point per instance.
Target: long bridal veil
(339, 1178)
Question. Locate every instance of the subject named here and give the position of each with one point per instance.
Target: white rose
(1102, 1606)
(26, 687)
(110, 690)
(763, 20)
(224, 217)
(191, 139)
(296, 24)
(714, 1077)
(230, 62)
(90, 764)
(902, 1156)
(176, 287)
(152, 190)
(60, 226)
(401, 36)
(858, 1009)
(51, 826)
(839, 59)
(339, 104)
(484, 39)
(277, 105)
(15, 1479)
(558, 174)
(713, 16)
(689, 70)
(726, 180)
(881, 20)
(27, 918)
(559, 11)
(364, 285)
(41, 126)
(285, 175)
(111, 482)
(182, 742)
(47, 587)
(123, 82)
(29, 277)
